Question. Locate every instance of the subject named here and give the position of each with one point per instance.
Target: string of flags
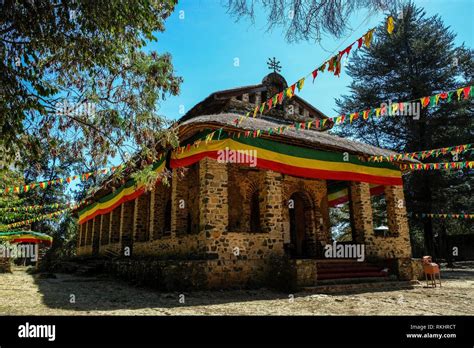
(437, 166)
(444, 216)
(333, 65)
(424, 154)
(386, 109)
(389, 109)
(35, 207)
(59, 181)
(38, 218)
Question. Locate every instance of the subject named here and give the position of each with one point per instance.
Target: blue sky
(205, 43)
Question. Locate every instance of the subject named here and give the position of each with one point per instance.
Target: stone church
(231, 216)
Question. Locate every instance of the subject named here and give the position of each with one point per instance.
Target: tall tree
(418, 59)
(306, 19)
(75, 70)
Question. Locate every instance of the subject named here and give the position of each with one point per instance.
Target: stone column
(126, 225)
(151, 215)
(397, 221)
(271, 216)
(141, 218)
(89, 232)
(213, 197)
(361, 212)
(96, 234)
(105, 230)
(116, 218)
(271, 209)
(178, 205)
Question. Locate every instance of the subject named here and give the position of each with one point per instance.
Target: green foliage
(340, 223)
(419, 59)
(75, 71)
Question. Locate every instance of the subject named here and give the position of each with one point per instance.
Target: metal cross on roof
(274, 64)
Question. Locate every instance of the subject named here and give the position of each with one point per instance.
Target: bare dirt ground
(25, 294)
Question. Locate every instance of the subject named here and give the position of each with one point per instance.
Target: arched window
(255, 212)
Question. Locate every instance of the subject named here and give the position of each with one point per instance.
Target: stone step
(347, 275)
(322, 265)
(356, 285)
(366, 268)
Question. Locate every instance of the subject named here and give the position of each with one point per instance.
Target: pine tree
(418, 59)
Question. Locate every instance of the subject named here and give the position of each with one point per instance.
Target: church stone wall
(217, 199)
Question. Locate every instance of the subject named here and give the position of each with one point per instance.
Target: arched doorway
(300, 213)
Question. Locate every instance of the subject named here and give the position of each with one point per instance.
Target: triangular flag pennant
(425, 101)
(368, 38)
(293, 86)
(300, 84)
(467, 91)
(255, 111)
(275, 99)
(390, 24)
(359, 42)
(366, 114)
(314, 73)
(458, 92)
(280, 97)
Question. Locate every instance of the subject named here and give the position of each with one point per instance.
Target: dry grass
(25, 294)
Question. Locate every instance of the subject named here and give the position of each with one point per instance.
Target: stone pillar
(141, 218)
(178, 205)
(126, 225)
(105, 230)
(258, 98)
(361, 211)
(80, 235)
(397, 220)
(160, 197)
(96, 234)
(89, 232)
(271, 209)
(151, 215)
(115, 217)
(213, 197)
(325, 231)
(396, 210)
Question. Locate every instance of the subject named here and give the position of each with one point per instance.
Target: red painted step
(343, 270)
(340, 269)
(350, 275)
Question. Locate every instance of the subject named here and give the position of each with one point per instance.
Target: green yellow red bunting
(420, 155)
(443, 216)
(438, 166)
(38, 218)
(58, 181)
(386, 110)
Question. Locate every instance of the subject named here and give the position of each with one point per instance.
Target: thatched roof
(308, 138)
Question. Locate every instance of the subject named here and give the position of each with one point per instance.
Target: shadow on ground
(79, 293)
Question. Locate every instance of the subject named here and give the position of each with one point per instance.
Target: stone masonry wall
(141, 218)
(397, 243)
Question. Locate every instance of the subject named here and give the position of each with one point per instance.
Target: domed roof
(274, 82)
